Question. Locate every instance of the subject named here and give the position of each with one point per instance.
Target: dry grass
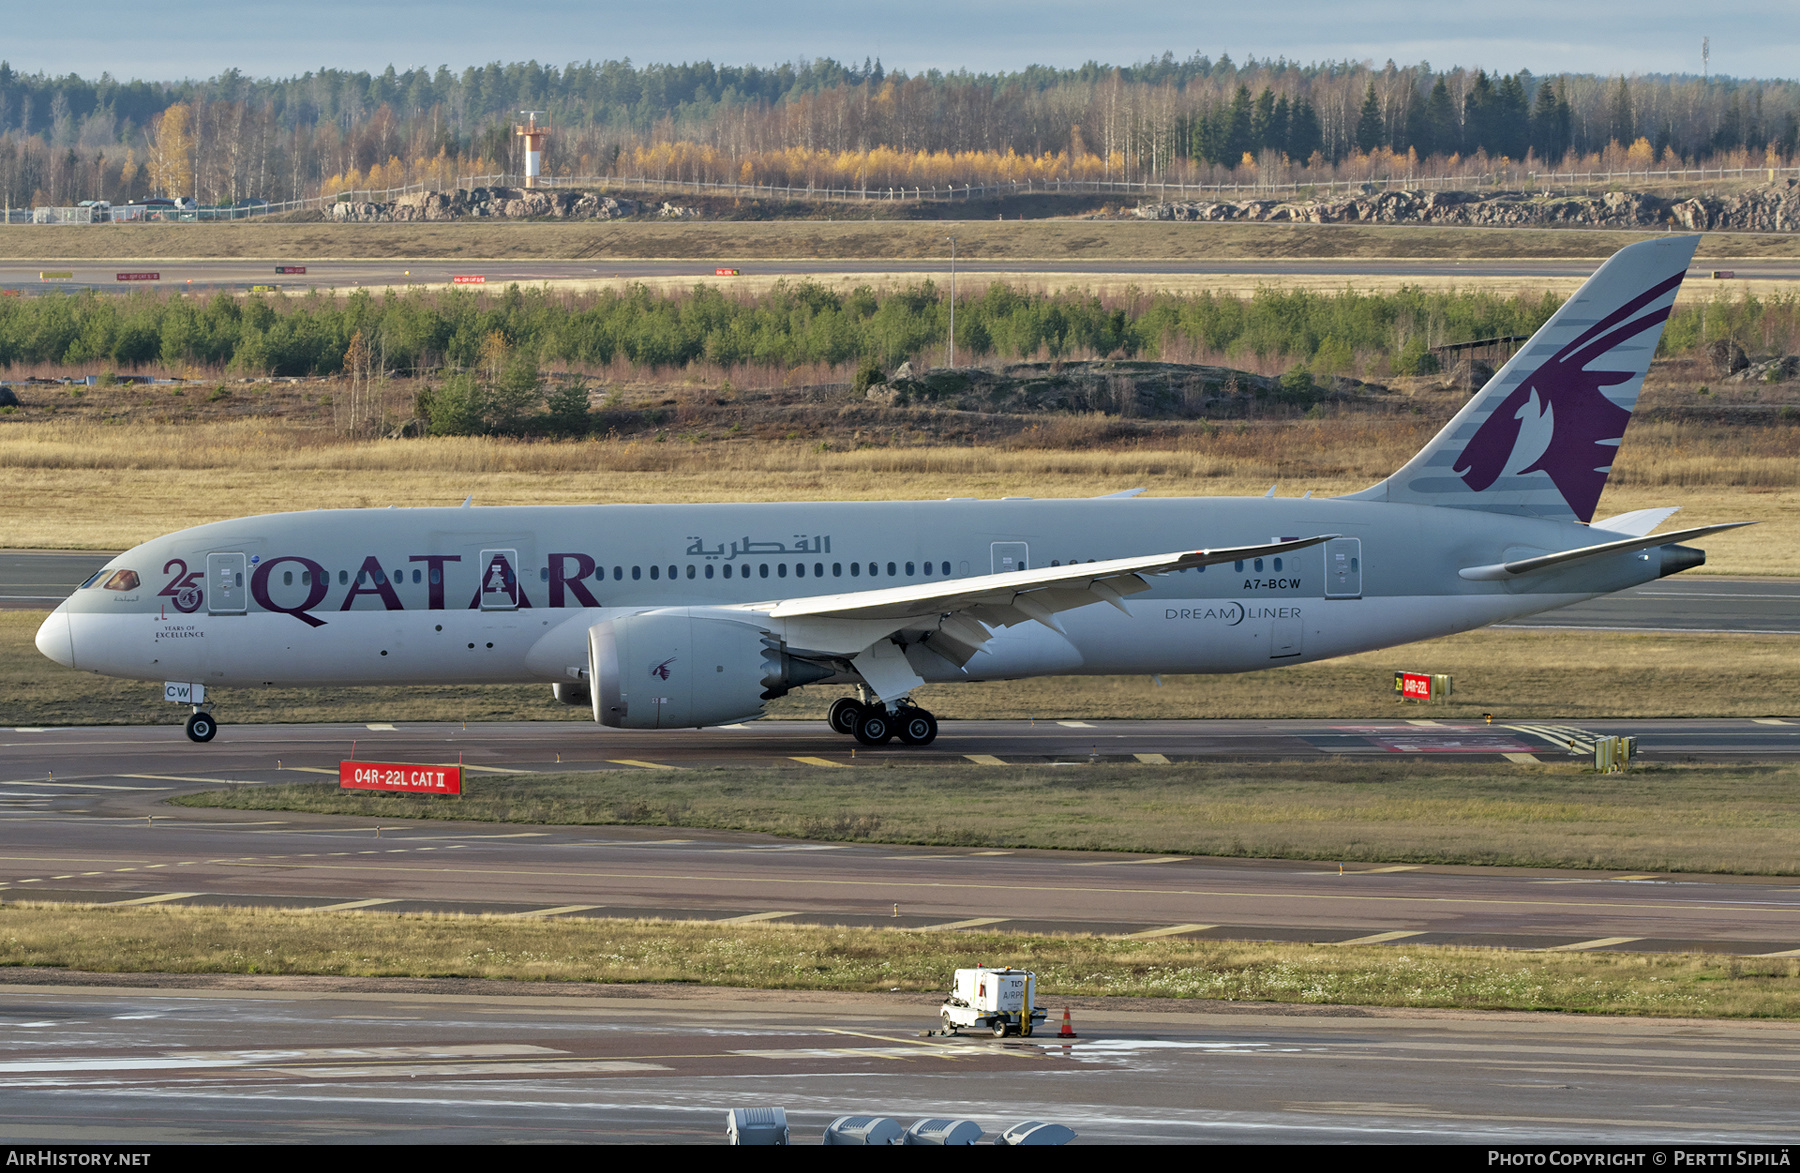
(1087, 241)
(1739, 819)
(94, 485)
(275, 941)
(1513, 675)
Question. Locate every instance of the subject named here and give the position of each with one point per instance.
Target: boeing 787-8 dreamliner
(673, 616)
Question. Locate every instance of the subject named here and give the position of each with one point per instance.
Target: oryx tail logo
(1559, 421)
(661, 671)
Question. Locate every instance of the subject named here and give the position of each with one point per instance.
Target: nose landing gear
(201, 726)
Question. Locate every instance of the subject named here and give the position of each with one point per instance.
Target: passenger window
(287, 578)
(1277, 566)
(362, 578)
(818, 570)
(928, 570)
(763, 570)
(637, 573)
(799, 570)
(1259, 566)
(619, 573)
(1239, 565)
(890, 570)
(306, 578)
(946, 569)
(543, 574)
(671, 572)
(781, 570)
(728, 570)
(1054, 562)
(855, 569)
(691, 571)
(909, 570)
(709, 570)
(655, 573)
(437, 575)
(837, 570)
(343, 577)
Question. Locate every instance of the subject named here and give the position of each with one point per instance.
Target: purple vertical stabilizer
(1541, 436)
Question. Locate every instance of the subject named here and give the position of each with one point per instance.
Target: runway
(178, 1060)
(40, 579)
(242, 276)
(81, 820)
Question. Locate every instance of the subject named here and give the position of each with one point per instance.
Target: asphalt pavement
(168, 1059)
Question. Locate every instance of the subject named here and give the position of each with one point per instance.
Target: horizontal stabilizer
(1639, 522)
(1501, 571)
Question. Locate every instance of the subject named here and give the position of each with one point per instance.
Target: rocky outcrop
(1144, 390)
(1779, 369)
(1775, 208)
(506, 203)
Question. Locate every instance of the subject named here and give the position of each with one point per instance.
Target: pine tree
(1370, 133)
(1478, 114)
(1237, 136)
(1619, 126)
(1305, 136)
(1546, 127)
(1262, 114)
(1440, 113)
(1511, 119)
(1277, 138)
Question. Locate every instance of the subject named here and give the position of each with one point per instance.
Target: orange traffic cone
(1068, 1028)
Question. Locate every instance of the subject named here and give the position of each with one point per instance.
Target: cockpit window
(94, 578)
(122, 580)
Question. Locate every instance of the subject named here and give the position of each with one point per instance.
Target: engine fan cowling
(678, 669)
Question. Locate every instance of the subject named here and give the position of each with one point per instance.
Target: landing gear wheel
(201, 727)
(845, 712)
(949, 1026)
(917, 727)
(999, 1028)
(876, 727)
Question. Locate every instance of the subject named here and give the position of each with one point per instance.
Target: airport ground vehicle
(1002, 1000)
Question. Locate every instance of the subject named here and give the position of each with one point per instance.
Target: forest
(794, 327)
(233, 138)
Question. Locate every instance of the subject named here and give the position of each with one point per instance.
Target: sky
(201, 38)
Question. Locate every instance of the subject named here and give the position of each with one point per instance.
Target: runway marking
(1151, 759)
(1103, 863)
(23, 729)
(349, 904)
(984, 759)
(1379, 938)
(486, 769)
(1782, 953)
(310, 770)
(558, 910)
(1523, 759)
(150, 899)
(177, 778)
(1399, 867)
(640, 765)
(1170, 931)
(383, 728)
(753, 918)
(1769, 721)
(972, 923)
(1635, 876)
(972, 853)
(1423, 721)
(1075, 724)
(818, 762)
(1596, 943)
(78, 786)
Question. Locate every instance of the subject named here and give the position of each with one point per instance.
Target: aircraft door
(225, 591)
(1010, 556)
(499, 580)
(1343, 568)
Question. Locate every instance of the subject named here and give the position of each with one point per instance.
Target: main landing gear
(874, 724)
(201, 726)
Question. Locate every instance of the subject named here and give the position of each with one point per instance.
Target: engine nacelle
(682, 669)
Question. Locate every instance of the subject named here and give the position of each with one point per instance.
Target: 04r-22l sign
(400, 776)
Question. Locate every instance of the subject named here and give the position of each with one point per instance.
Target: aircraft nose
(56, 638)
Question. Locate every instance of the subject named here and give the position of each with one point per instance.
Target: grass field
(273, 941)
(1087, 241)
(1739, 819)
(90, 484)
(1510, 674)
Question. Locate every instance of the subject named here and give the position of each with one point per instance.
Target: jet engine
(682, 668)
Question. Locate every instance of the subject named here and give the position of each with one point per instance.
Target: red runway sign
(139, 276)
(290, 268)
(409, 779)
(477, 280)
(725, 272)
(1413, 686)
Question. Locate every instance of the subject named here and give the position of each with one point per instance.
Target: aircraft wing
(956, 617)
